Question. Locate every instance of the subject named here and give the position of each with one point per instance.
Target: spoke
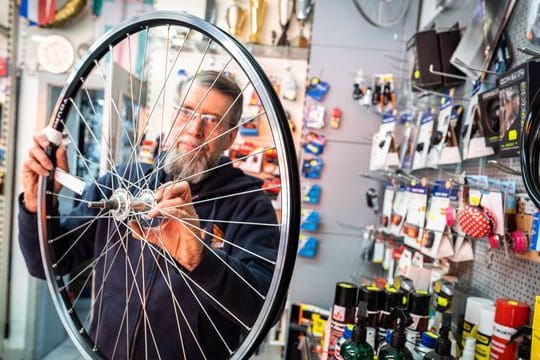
(186, 276)
(181, 132)
(176, 302)
(86, 223)
(240, 123)
(158, 167)
(74, 302)
(67, 197)
(108, 156)
(90, 265)
(147, 121)
(198, 237)
(221, 165)
(235, 245)
(54, 265)
(77, 216)
(103, 279)
(230, 221)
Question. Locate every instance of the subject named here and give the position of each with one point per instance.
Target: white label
(502, 332)
(71, 182)
(339, 313)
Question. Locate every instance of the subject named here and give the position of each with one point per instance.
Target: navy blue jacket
(193, 291)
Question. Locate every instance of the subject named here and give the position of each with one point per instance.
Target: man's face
(191, 130)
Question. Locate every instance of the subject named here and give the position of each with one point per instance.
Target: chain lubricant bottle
(443, 350)
(357, 348)
(396, 349)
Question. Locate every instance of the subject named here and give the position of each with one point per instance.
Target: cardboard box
(517, 88)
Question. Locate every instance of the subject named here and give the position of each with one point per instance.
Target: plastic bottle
(357, 348)
(472, 316)
(428, 341)
(469, 350)
(443, 350)
(396, 349)
(484, 333)
(347, 334)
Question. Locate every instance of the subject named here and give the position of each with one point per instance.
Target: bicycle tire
(381, 17)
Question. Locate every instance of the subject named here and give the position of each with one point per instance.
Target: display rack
(7, 143)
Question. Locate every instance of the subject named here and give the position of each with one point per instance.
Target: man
(185, 297)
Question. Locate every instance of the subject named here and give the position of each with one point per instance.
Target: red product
(476, 221)
(509, 316)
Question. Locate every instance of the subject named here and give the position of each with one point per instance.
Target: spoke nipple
(49, 241)
(70, 311)
(81, 331)
(94, 349)
(58, 277)
(54, 266)
(61, 288)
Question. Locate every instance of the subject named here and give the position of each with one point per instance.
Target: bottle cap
(487, 318)
(419, 302)
(429, 339)
(346, 294)
(372, 295)
(511, 313)
(394, 298)
(474, 305)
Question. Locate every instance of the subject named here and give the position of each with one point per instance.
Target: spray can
(485, 330)
(373, 297)
(509, 316)
(393, 298)
(472, 316)
(418, 305)
(343, 313)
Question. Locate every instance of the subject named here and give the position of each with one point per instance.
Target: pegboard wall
(495, 273)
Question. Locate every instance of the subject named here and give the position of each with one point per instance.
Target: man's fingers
(136, 230)
(170, 191)
(36, 167)
(41, 140)
(61, 158)
(39, 155)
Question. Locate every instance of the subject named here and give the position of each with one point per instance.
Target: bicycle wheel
(383, 13)
(126, 295)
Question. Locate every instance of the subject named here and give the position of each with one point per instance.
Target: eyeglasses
(185, 114)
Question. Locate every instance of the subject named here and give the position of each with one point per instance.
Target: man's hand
(38, 163)
(182, 241)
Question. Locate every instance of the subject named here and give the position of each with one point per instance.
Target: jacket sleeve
(239, 276)
(73, 238)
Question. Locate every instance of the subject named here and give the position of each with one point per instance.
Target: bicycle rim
(100, 139)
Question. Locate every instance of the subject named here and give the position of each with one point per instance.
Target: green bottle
(443, 349)
(396, 349)
(357, 348)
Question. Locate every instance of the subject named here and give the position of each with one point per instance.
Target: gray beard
(189, 168)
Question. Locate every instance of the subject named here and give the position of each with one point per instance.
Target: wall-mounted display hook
(460, 77)
(504, 168)
(479, 70)
(528, 51)
(436, 93)
(395, 58)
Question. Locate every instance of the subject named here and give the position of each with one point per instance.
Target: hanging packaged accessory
(476, 221)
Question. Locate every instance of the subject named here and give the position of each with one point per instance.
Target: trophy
(286, 12)
(257, 9)
(235, 16)
(303, 9)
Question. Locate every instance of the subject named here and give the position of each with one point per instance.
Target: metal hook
(491, 72)
(504, 168)
(460, 77)
(395, 58)
(436, 93)
(528, 51)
